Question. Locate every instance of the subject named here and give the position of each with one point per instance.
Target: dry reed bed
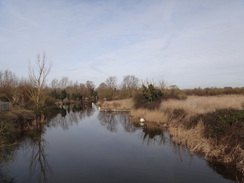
(198, 105)
(192, 105)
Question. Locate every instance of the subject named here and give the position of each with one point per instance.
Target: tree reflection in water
(108, 120)
(35, 145)
(38, 159)
(111, 121)
(149, 135)
(75, 115)
(126, 123)
(152, 136)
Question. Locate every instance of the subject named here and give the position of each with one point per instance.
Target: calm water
(89, 146)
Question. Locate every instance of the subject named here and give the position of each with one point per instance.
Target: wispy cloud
(189, 43)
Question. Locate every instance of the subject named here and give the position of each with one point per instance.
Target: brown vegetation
(117, 104)
(193, 105)
(204, 104)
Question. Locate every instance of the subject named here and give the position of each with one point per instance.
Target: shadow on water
(68, 116)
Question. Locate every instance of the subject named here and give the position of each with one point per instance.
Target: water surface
(88, 146)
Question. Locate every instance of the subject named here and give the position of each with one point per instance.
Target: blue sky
(188, 43)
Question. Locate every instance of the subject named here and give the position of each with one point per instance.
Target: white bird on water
(142, 120)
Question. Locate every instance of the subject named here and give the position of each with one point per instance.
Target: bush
(149, 98)
(221, 123)
(151, 93)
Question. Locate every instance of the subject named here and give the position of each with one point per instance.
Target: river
(89, 146)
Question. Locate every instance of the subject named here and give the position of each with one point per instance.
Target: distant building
(4, 106)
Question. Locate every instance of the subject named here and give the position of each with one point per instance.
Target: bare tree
(130, 82)
(83, 90)
(162, 84)
(90, 87)
(8, 79)
(111, 82)
(148, 82)
(63, 83)
(102, 90)
(38, 76)
(54, 84)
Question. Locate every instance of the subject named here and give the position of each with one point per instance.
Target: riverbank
(212, 126)
(18, 120)
(18, 117)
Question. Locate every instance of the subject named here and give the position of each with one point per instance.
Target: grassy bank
(212, 126)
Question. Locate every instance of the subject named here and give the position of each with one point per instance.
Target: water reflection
(152, 136)
(149, 136)
(112, 120)
(35, 144)
(38, 158)
(126, 123)
(75, 115)
(4, 178)
(109, 120)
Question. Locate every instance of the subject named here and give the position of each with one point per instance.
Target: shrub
(149, 98)
(219, 123)
(151, 93)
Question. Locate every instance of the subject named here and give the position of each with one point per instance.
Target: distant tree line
(214, 91)
(35, 93)
(16, 90)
